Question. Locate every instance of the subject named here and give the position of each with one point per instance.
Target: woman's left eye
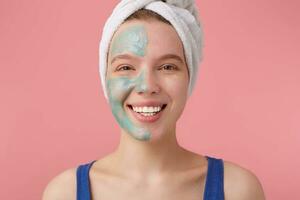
(169, 67)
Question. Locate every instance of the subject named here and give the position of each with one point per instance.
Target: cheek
(118, 88)
(176, 87)
(177, 90)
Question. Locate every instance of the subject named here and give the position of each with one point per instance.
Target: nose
(147, 83)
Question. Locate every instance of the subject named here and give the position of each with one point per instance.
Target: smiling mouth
(147, 112)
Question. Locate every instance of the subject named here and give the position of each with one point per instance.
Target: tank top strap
(214, 186)
(83, 181)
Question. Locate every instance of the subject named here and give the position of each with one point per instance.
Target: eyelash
(174, 67)
(122, 67)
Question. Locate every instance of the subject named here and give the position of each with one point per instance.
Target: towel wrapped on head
(182, 14)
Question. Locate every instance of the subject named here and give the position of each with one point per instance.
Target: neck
(143, 159)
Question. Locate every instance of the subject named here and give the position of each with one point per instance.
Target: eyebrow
(166, 56)
(121, 56)
(171, 56)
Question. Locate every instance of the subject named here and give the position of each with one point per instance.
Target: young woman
(147, 77)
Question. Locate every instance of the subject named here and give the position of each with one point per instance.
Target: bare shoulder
(62, 186)
(240, 183)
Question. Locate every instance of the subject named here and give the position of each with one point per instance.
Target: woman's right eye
(124, 68)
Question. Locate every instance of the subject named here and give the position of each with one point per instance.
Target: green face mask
(133, 40)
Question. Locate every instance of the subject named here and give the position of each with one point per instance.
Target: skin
(154, 167)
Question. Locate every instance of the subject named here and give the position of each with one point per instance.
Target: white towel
(182, 14)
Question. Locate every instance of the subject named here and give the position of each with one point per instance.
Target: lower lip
(147, 119)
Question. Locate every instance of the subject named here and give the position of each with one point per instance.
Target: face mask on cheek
(118, 90)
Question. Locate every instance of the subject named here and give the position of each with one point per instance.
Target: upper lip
(147, 103)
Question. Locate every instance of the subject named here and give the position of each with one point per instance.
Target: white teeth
(147, 109)
(147, 114)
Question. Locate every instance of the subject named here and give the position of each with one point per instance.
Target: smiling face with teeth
(147, 78)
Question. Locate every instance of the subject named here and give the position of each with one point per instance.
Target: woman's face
(146, 73)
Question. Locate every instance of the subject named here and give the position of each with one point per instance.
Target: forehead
(161, 38)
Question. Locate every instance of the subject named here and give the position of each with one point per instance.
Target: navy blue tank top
(213, 189)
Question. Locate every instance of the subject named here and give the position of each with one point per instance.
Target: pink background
(53, 115)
